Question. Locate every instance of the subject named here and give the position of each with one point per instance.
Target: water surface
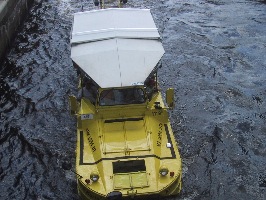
(215, 59)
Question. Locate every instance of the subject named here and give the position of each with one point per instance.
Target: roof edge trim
(109, 9)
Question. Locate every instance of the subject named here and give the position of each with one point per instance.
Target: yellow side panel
(86, 107)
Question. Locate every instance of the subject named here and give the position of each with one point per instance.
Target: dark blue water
(216, 61)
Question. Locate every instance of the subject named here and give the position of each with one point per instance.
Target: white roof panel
(118, 62)
(116, 47)
(114, 22)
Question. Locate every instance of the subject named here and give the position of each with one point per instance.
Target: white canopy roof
(116, 47)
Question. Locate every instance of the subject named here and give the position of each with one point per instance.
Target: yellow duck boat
(125, 144)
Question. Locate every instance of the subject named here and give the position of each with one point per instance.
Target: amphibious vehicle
(125, 144)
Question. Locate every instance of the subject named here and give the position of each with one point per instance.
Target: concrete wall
(12, 14)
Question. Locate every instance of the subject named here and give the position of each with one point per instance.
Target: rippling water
(215, 59)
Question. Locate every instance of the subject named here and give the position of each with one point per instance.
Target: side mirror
(73, 105)
(170, 98)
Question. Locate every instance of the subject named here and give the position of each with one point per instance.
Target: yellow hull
(126, 147)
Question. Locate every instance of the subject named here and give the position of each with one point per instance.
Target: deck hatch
(130, 180)
(129, 166)
(125, 136)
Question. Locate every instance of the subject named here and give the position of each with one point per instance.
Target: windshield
(113, 97)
